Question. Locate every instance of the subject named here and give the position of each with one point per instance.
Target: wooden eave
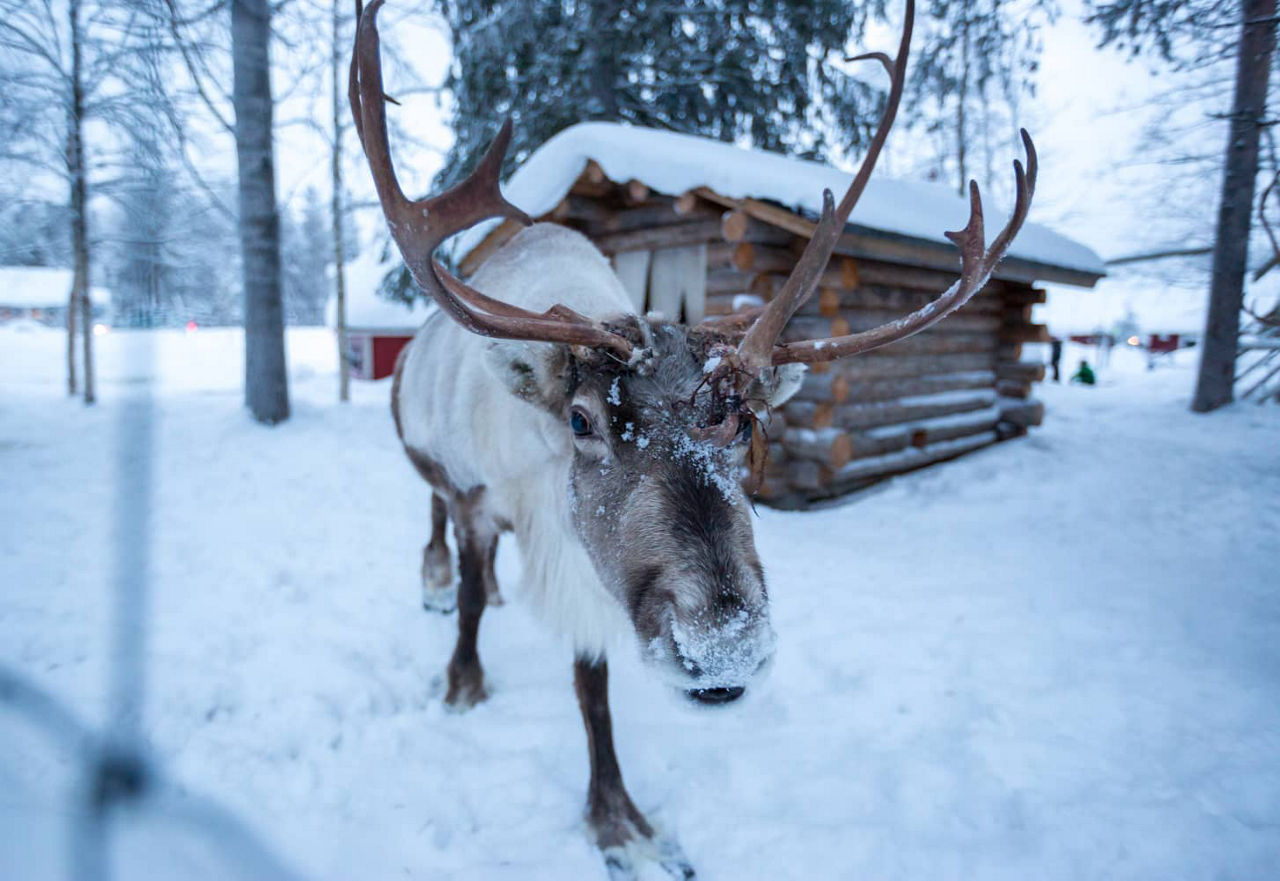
(876, 244)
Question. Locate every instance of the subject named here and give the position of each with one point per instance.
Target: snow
(365, 309)
(1057, 658)
(674, 163)
(41, 287)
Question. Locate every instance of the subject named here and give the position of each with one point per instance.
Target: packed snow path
(1058, 658)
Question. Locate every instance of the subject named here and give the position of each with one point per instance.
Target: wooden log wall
(954, 388)
(949, 390)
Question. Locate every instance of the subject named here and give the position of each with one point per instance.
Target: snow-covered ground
(1057, 658)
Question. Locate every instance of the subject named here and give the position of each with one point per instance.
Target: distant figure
(1084, 375)
(1055, 358)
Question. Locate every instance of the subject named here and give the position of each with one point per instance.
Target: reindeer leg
(622, 833)
(493, 596)
(474, 535)
(439, 594)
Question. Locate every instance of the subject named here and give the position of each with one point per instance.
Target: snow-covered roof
(674, 163)
(41, 287)
(367, 310)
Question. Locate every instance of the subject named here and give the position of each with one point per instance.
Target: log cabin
(698, 228)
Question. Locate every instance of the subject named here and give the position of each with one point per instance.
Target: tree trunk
(86, 309)
(1214, 386)
(72, 305)
(962, 134)
(79, 212)
(266, 378)
(339, 249)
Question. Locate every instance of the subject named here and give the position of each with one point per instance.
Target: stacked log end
(952, 389)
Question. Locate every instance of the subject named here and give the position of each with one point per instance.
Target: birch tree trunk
(1216, 380)
(266, 378)
(79, 212)
(962, 129)
(72, 305)
(339, 248)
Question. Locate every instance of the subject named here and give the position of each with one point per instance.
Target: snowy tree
(1199, 34)
(740, 70)
(84, 88)
(60, 72)
(307, 248)
(142, 275)
(973, 63)
(32, 231)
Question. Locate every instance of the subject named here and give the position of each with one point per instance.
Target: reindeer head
(659, 416)
(656, 447)
(660, 449)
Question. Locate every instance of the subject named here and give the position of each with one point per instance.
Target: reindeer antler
(419, 226)
(759, 348)
(754, 353)
(977, 263)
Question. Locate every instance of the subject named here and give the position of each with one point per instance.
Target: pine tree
(307, 249)
(141, 276)
(741, 70)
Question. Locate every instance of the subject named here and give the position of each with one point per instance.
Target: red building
(377, 329)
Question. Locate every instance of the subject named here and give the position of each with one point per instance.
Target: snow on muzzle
(714, 663)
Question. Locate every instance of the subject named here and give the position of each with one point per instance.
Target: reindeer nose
(715, 695)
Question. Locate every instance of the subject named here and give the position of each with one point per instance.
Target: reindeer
(610, 443)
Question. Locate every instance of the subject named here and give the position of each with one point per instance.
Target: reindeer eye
(580, 424)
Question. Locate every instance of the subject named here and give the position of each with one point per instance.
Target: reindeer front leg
(476, 536)
(621, 831)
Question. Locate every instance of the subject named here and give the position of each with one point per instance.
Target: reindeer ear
(536, 372)
(776, 385)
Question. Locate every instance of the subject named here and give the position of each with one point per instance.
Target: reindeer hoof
(466, 687)
(628, 842)
(439, 593)
(442, 600)
(625, 862)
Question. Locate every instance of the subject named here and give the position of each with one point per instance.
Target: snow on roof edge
(366, 310)
(675, 163)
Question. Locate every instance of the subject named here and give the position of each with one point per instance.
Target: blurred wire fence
(116, 768)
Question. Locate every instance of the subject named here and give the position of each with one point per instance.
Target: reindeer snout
(715, 662)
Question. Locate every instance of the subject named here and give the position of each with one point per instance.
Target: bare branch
(1164, 254)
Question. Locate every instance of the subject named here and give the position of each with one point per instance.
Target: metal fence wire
(116, 768)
